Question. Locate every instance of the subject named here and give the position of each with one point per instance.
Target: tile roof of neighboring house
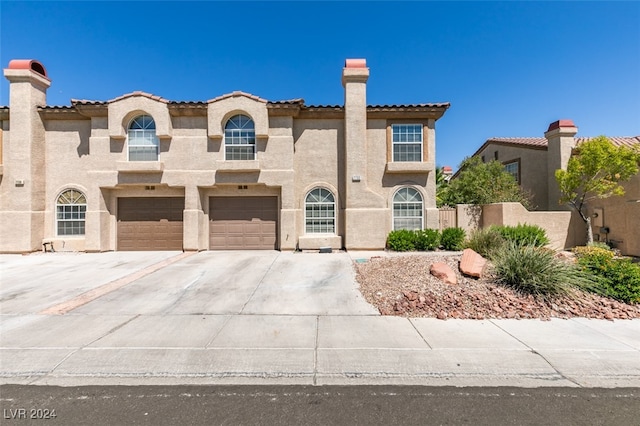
(533, 142)
(616, 140)
(541, 143)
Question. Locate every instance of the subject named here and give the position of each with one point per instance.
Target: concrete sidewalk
(117, 339)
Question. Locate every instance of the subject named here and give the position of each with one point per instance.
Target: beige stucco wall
(558, 225)
(533, 169)
(346, 152)
(621, 214)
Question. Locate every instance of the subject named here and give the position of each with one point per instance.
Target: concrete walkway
(271, 317)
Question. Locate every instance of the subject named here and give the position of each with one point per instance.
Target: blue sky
(508, 68)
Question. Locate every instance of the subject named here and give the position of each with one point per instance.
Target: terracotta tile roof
(386, 107)
(87, 102)
(298, 101)
(537, 142)
(542, 142)
(139, 93)
(286, 102)
(187, 103)
(236, 94)
(616, 140)
(429, 105)
(57, 107)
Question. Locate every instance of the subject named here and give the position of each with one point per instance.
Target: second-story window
(407, 142)
(240, 138)
(142, 139)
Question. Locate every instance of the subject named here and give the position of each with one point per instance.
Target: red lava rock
(443, 272)
(472, 264)
(411, 295)
(421, 294)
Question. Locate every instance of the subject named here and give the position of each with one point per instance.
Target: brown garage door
(150, 223)
(243, 223)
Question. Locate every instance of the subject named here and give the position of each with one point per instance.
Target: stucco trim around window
(122, 109)
(407, 142)
(220, 109)
(397, 164)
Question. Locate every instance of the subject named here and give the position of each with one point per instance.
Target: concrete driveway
(270, 317)
(173, 283)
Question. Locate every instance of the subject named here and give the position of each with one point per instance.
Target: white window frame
(145, 131)
(238, 129)
(408, 206)
(404, 135)
(324, 224)
(71, 209)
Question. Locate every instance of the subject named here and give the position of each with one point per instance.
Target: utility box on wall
(598, 218)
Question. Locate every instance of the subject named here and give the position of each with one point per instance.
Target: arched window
(407, 209)
(71, 207)
(142, 140)
(320, 212)
(240, 138)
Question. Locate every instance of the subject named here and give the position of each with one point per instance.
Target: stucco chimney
(561, 141)
(23, 187)
(354, 79)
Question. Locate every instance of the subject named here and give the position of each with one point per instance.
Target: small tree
(441, 186)
(483, 183)
(596, 169)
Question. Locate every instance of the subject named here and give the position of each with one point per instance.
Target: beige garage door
(243, 223)
(150, 223)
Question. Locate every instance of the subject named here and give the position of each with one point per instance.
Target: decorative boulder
(472, 264)
(443, 272)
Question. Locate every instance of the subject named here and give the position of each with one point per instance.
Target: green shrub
(622, 280)
(594, 259)
(427, 239)
(536, 270)
(599, 244)
(524, 234)
(401, 240)
(452, 239)
(485, 241)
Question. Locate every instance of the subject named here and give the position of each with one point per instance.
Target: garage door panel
(243, 223)
(150, 223)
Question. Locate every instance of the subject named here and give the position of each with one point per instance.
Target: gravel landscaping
(402, 285)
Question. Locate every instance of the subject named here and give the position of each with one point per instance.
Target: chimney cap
(28, 64)
(355, 63)
(560, 123)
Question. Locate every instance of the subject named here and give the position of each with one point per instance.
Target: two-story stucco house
(533, 162)
(140, 172)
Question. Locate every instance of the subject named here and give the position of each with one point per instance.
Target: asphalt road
(323, 405)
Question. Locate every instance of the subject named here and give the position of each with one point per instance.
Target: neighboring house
(140, 172)
(533, 162)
